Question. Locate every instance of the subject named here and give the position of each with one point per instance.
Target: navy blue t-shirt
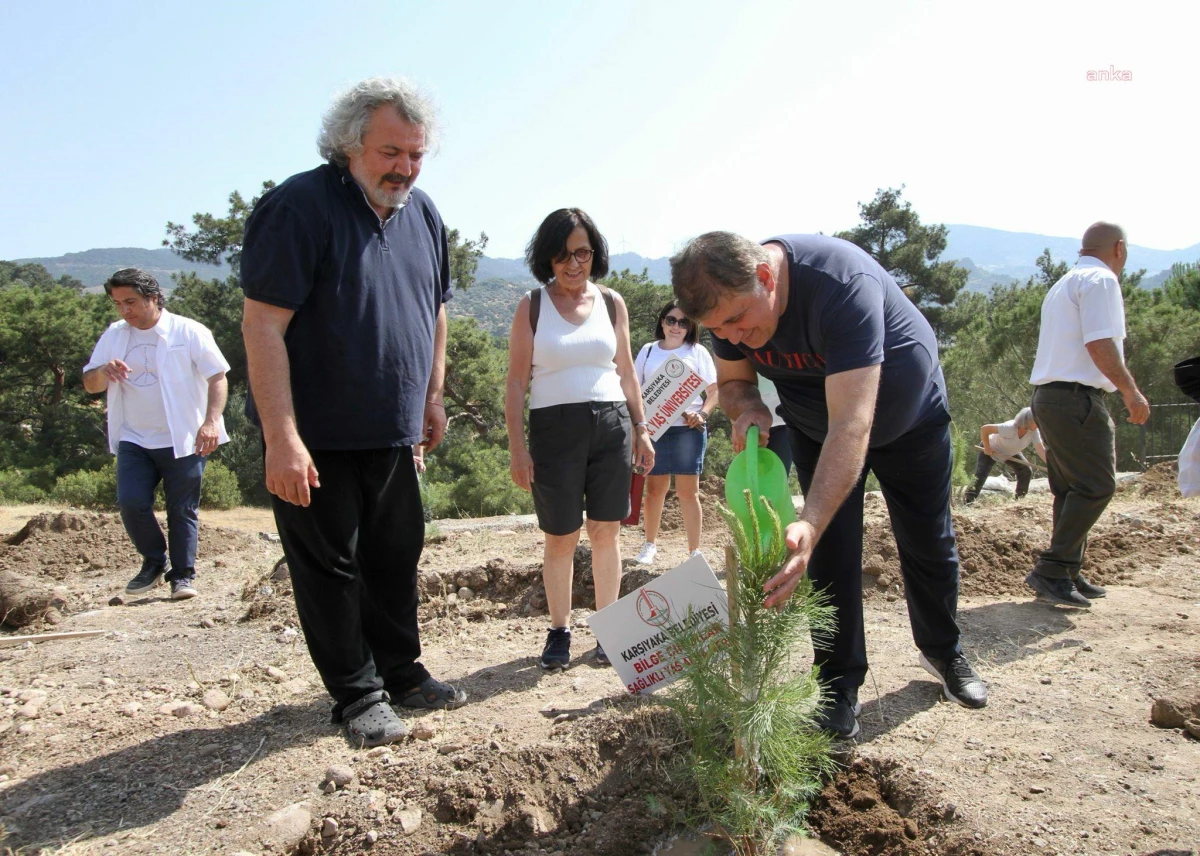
(366, 297)
(846, 312)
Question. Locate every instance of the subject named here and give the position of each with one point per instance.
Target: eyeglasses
(583, 255)
(672, 321)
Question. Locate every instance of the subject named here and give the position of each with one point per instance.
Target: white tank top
(574, 363)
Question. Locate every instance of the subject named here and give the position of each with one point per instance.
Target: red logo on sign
(652, 608)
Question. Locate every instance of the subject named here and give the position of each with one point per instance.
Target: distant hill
(514, 270)
(93, 267)
(1013, 254)
(991, 256)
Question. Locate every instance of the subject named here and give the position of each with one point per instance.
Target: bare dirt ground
(201, 726)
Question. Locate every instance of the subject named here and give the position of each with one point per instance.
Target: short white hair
(345, 123)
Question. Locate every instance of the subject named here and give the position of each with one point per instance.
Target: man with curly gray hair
(346, 272)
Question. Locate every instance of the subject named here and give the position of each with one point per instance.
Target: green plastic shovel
(759, 471)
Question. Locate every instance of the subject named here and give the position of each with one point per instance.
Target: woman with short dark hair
(679, 451)
(569, 346)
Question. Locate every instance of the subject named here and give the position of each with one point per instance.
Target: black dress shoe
(1056, 590)
(1087, 589)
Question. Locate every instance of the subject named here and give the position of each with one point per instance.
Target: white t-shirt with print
(651, 357)
(1006, 444)
(144, 418)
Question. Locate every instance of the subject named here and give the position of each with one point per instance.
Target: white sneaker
(647, 554)
(695, 553)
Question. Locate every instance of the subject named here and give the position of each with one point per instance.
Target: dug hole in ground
(201, 727)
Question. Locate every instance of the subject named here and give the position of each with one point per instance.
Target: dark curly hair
(143, 283)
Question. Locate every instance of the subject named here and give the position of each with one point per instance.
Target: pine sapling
(748, 702)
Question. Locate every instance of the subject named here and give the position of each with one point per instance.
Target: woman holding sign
(569, 346)
(679, 451)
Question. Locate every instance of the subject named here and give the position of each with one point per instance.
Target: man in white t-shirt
(165, 379)
(1004, 444)
(1080, 356)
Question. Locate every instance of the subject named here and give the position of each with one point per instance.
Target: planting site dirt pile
(712, 496)
(1161, 481)
(491, 590)
(999, 543)
(184, 729)
(606, 784)
(881, 808)
(68, 544)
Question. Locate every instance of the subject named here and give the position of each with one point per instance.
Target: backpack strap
(641, 359)
(610, 302)
(535, 308)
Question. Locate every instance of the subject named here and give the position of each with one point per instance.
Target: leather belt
(1070, 386)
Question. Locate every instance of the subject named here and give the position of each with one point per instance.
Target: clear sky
(663, 119)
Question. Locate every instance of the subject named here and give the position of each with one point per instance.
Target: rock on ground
(1174, 709)
(288, 826)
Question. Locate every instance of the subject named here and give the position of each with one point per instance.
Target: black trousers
(353, 556)
(983, 468)
(914, 475)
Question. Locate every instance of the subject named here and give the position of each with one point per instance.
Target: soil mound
(608, 784)
(1161, 481)
(999, 545)
(712, 497)
(67, 544)
(878, 807)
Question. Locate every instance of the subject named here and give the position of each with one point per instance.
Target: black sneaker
(1087, 589)
(838, 713)
(148, 577)
(960, 682)
(1057, 591)
(601, 657)
(557, 653)
(183, 589)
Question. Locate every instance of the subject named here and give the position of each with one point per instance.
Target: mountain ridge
(991, 256)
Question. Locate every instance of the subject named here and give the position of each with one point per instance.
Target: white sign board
(636, 630)
(668, 393)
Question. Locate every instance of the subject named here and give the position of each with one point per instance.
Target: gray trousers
(1082, 462)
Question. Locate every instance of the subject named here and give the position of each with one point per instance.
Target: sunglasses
(672, 321)
(583, 255)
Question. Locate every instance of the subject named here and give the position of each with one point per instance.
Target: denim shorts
(679, 451)
(582, 457)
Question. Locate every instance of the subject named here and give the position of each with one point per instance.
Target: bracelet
(436, 403)
(641, 424)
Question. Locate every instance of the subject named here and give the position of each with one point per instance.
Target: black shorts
(582, 457)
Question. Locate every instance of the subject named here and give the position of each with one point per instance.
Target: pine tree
(748, 705)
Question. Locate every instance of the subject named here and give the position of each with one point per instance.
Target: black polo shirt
(366, 296)
(846, 312)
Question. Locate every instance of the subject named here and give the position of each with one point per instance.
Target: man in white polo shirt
(165, 378)
(1080, 356)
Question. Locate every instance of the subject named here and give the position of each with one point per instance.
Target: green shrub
(964, 456)
(719, 454)
(17, 489)
(243, 453)
(220, 487)
(472, 480)
(88, 488)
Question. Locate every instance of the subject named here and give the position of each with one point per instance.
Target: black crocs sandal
(433, 694)
(370, 721)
